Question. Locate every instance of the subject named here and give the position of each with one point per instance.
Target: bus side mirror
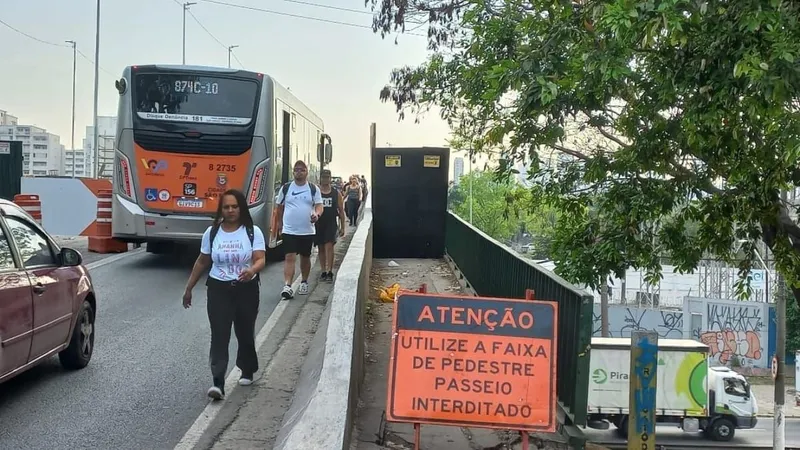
(325, 153)
(121, 85)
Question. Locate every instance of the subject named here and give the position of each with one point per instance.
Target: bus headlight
(123, 177)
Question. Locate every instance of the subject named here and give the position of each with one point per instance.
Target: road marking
(113, 259)
(212, 409)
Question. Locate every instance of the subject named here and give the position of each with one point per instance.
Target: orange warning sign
(473, 361)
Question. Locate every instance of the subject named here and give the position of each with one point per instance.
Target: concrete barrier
(326, 398)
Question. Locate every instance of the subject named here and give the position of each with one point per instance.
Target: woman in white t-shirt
(235, 249)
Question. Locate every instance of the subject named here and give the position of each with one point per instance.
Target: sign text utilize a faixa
(473, 361)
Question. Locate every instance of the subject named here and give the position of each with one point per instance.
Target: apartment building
(42, 152)
(107, 127)
(79, 158)
(458, 169)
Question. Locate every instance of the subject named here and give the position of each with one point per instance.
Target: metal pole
(470, 186)
(230, 50)
(96, 85)
(185, 8)
(74, 72)
(779, 422)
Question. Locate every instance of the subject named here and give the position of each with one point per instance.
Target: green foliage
(503, 209)
(495, 210)
(669, 113)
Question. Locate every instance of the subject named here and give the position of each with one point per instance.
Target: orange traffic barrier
(104, 213)
(102, 242)
(31, 204)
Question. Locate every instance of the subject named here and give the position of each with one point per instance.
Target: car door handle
(39, 288)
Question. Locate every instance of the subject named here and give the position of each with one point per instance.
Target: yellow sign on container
(432, 161)
(392, 160)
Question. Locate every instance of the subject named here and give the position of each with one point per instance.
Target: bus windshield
(181, 97)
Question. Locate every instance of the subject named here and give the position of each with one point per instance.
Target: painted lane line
(212, 409)
(113, 259)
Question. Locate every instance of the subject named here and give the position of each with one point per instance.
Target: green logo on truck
(691, 378)
(599, 376)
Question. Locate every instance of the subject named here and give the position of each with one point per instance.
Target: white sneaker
(287, 292)
(303, 289)
(215, 393)
(244, 381)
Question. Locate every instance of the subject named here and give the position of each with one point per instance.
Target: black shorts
(326, 233)
(299, 244)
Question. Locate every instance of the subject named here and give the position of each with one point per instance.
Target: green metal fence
(493, 270)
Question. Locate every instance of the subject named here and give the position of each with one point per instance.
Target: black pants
(351, 208)
(235, 304)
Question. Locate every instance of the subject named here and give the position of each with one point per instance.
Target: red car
(47, 301)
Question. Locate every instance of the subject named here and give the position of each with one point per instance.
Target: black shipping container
(409, 201)
(10, 169)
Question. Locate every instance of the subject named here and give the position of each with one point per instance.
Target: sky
(334, 68)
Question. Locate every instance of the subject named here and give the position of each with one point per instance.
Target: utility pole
(778, 366)
(471, 175)
(96, 87)
(230, 50)
(185, 9)
(74, 71)
(604, 308)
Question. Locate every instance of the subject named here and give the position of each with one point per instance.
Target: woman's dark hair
(244, 212)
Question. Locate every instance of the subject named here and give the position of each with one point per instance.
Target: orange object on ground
(31, 204)
(102, 242)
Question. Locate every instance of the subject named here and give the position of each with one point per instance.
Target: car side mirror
(70, 257)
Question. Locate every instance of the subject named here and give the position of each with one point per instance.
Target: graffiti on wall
(622, 321)
(735, 331)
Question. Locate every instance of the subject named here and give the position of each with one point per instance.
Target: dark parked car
(47, 300)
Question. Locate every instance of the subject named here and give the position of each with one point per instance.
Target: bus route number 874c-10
(196, 87)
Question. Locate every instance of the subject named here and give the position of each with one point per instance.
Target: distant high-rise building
(458, 169)
(42, 152)
(107, 135)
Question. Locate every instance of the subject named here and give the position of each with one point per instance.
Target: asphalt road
(674, 438)
(147, 381)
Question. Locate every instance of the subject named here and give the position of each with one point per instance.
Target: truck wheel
(622, 427)
(722, 430)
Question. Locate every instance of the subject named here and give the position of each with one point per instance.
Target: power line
(299, 2)
(203, 27)
(54, 44)
(206, 30)
(297, 16)
(41, 41)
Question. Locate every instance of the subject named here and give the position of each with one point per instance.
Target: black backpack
(285, 190)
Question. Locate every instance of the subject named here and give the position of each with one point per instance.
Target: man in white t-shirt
(299, 206)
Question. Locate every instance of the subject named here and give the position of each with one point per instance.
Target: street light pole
(230, 50)
(96, 86)
(470, 186)
(74, 71)
(185, 9)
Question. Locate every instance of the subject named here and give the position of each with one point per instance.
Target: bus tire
(157, 248)
(722, 430)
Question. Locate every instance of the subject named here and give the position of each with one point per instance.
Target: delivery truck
(689, 394)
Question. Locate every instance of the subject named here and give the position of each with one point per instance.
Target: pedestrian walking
(299, 206)
(234, 247)
(326, 227)
(353, 195)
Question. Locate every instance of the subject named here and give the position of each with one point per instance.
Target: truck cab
(731, 404)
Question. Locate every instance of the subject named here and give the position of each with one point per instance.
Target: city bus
(186, 134)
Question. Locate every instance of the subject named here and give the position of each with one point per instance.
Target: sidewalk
(765, 396)
(253, 416)
(410, 274)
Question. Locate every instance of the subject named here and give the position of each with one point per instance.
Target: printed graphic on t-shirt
(327, 202)
(232, 253)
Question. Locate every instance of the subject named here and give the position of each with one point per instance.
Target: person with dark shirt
(326, 229)
(352, 193)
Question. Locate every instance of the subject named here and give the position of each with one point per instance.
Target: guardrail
(493, 270)
(325, 420)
